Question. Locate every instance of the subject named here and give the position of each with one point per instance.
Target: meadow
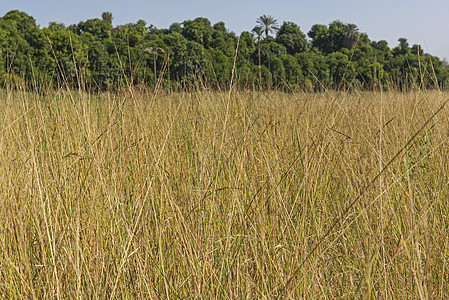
(233, 195)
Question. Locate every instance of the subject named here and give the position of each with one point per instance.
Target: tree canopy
(96, 55)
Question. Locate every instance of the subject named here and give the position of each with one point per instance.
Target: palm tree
(351, 36)
(107, 16)
(258, 30)
(268, 24)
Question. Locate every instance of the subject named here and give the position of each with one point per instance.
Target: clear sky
(420, 21)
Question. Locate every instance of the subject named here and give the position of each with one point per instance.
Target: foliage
(198, 30)
(351, 36)
(268, 24)
(95, 55)
(291, 37)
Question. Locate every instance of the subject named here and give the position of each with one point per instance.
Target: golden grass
(207, 195)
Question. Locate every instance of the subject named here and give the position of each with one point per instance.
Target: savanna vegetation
(205, 195)
(259, 167)
(96, 55)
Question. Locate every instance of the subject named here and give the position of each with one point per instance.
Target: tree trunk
(350, 43)
(260, 72)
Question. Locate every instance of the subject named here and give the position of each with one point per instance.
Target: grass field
(208, 195)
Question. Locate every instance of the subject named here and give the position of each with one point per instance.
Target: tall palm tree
(268, 24)
(107, 16)
(258, 30)
(351, 36)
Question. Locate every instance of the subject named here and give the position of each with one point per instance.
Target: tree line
(95, 55)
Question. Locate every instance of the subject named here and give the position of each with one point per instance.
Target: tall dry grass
(223, 196)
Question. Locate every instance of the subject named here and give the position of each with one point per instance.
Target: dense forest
(95, 55)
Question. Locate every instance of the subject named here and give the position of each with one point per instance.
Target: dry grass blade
(217, 195)
(351, 204)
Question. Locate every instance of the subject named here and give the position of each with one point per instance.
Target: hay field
(240, 195)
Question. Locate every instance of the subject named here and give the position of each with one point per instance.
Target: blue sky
(423, 22)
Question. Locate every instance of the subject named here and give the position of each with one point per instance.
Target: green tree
(341, 70)
(93, 51)
(328, 39)
(223, 40)
(320, 38)
(198, 30)
(277, 70)
(244, 65)
(100, 29)
(315, 69)
(3, 35)
(351, 36)
(188, 60)
(268, 50)
(402, 48)
(268, 24)
(247, 46)
(222, 65)
(292, 38)
(381, 51)
(20, 42)
(337, 32)
(24, 23)
(175, 27)
(67, 61)
(258, 30)
(100, 64)
(417, 49)
(293, 73)
(107, 17)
